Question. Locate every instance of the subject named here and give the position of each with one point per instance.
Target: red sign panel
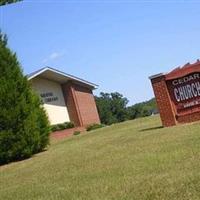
(185, 92)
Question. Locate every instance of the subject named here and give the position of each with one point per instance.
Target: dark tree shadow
(152, 128)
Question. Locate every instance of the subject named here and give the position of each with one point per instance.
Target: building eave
(63, 75)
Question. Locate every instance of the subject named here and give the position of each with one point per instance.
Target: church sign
(185, 91)
(178, 94)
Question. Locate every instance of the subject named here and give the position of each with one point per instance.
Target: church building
(65, 97)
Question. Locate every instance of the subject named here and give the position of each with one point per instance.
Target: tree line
(112, 108)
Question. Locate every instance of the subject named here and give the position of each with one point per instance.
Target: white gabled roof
(61, 77)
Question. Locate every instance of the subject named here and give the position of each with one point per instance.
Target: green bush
(54, 128)
(62, 126)
(77, 132)
(94, 126)
(24, 127)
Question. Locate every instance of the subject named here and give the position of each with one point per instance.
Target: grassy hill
(132, 160)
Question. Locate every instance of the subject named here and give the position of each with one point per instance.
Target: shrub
(54, 128)
(94, 126)
(69, 125)
(24, 127)
(77, 132)
(62, 126)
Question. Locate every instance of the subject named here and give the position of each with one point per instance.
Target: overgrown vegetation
(24, 127)
(62, 126)
(112, 108)
(94, 126)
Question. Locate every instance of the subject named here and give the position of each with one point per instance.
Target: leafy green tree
(111, 107)
(118, 106)
(24, 127)
(142, 109)
(4, 2)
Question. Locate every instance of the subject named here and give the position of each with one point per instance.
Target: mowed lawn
(132, 160)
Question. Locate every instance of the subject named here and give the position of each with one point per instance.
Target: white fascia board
(63, 74)
(37, 73)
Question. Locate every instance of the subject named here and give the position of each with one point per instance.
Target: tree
(111, 107)
(24, 127)
(4, 2)
(142, 109)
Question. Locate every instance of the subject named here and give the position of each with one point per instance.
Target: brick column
(86, 105)
(163, 100)
(81, 104)
(71, 103)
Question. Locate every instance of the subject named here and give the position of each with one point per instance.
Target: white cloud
(53, 56)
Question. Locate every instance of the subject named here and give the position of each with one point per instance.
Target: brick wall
(190, 117)
(86, 104)
(163, 101)
(68, 93)
(81, 104)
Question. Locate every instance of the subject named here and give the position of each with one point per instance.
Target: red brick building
(65, 97)
(178, 94)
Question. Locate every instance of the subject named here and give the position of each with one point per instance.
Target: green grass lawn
(131, 160)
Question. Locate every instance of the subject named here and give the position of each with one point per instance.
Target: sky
(115, 44)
